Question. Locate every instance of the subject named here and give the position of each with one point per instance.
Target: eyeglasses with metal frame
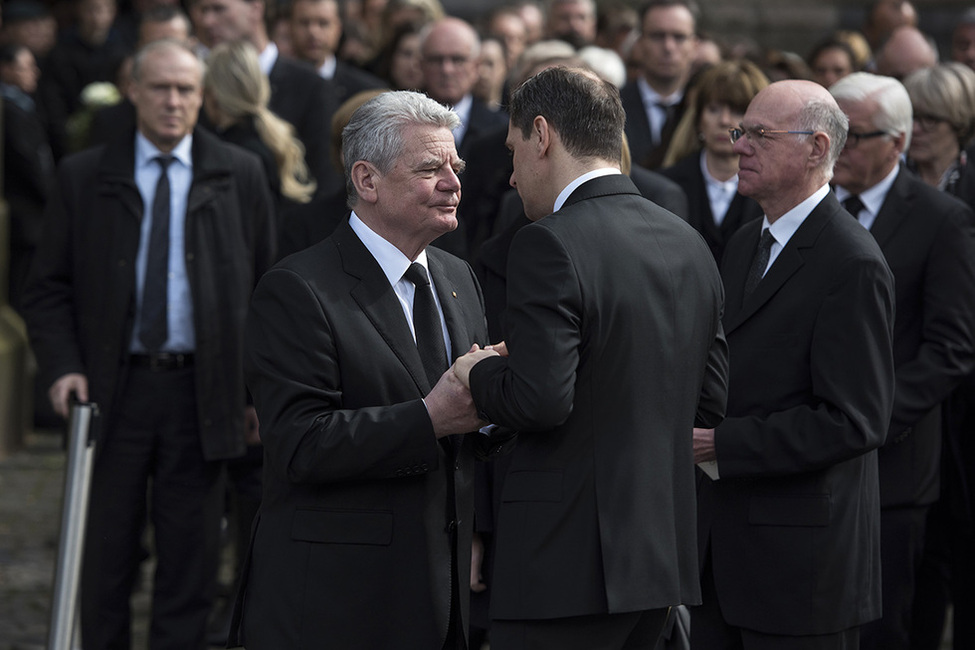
(853, 139)
(756, 133)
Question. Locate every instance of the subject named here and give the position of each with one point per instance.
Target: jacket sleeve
(48, 302)
(534, 388)
(946, 351)
(294, 372)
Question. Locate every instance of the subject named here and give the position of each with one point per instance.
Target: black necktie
(853, 205)
(759, 262)
(670, 111)
(153, 331)
(426, 324)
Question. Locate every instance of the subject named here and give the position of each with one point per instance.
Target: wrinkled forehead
(428, 142)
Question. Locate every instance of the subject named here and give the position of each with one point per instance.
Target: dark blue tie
(154, 330)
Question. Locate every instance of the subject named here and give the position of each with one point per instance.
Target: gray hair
(947, 91)
(375, 132)
(826, 116)
(894, 115)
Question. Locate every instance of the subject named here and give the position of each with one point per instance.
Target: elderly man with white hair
(927, 239)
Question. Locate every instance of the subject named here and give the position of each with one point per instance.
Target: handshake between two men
(451, 407)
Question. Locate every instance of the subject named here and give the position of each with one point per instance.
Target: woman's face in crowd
(714, 122)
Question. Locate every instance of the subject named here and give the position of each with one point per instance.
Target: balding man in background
(148, 322)
(905, 51)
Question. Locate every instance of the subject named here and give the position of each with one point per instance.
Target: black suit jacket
(687, 174)
(793, 524)
(305, 100)
(79, 303)
(349, 80)
(352, 547)
(491, 265)
(637, 128)
(613, 329)
(481, 122)
(927, 238)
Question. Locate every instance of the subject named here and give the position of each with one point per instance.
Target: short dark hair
(690, 5)
(583, 109)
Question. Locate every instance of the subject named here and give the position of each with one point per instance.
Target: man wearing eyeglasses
(789, 514)
(927, 239)
(654, 102)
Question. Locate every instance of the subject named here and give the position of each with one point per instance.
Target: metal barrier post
(74, 516)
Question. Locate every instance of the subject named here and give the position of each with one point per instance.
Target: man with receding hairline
(136, 301)
(789, 511)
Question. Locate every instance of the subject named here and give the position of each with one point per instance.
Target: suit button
(399, 472)
(425, 467)
(450, 527)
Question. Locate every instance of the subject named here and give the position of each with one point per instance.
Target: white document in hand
(710, 467)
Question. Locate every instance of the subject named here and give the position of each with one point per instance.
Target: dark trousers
(710, 630)
(946, 576)
(901, 549)
(627, 631)
(150, 465)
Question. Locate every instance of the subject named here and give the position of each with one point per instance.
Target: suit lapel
(789, 261)
(379, 303)
(896, 206)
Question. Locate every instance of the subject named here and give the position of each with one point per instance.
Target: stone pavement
(31, 490)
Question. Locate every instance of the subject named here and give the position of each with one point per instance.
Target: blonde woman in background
(235, 95)
(943, 99)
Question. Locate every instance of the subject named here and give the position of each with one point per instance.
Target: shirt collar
(145, 151)
(391, 259)
(787, 225)
(268, 57)
(730, 185)
(327, 69)
(652, 98)
(588, 176)
(872, 199)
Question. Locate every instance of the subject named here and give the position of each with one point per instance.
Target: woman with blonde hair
(943, 98)
(235, 94)
(701, 158)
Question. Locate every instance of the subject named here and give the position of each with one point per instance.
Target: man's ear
(820, 149)
(365, 178)
(542, 130)
(899, 142)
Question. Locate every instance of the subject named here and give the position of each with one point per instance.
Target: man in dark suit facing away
(927, 238)
(616, 351)
(790, 529)
(363, 539)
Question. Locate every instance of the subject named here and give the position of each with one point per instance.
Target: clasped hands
(450, 404)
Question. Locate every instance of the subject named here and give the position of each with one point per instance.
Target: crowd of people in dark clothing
(283, 78)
